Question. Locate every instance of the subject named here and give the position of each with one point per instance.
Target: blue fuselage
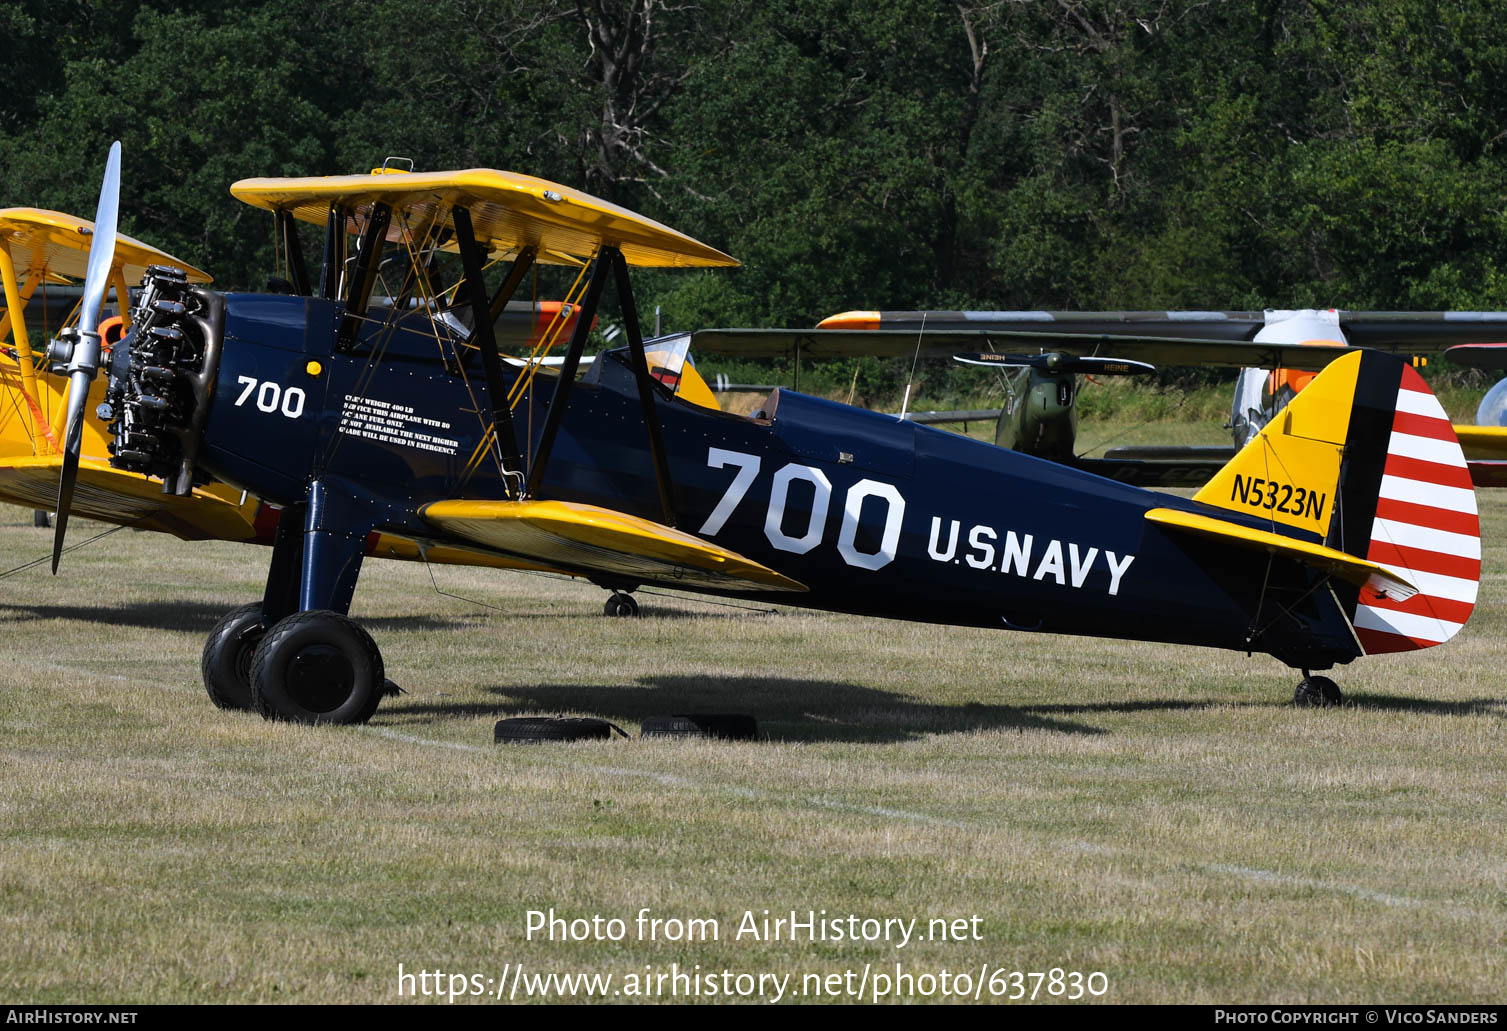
(875, 515)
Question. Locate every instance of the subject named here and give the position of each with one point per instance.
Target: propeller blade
(71, 447)
(84, 360)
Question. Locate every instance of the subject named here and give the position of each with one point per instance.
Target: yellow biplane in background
(41, 249)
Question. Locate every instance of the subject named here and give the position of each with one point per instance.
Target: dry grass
(1160, 815)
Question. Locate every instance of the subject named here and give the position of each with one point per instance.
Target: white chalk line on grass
(1270, 877)
(1253, 874)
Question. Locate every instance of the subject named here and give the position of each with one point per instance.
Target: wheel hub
(321, 678)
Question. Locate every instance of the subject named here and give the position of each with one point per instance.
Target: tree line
(1083, 154)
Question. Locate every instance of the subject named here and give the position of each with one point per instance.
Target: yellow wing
(508, 211)
(1483, 440)
(59, 244)
(588, 539)
(217, 512)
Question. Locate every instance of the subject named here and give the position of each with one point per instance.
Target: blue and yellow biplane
(1346, 527)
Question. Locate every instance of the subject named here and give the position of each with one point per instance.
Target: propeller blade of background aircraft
(1055, 362)
(846, 343)
(85, 358)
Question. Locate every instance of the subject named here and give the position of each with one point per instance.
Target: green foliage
(1093, 154)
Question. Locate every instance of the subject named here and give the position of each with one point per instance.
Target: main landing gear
(1317, 692)
(312, 667)
(295, 655)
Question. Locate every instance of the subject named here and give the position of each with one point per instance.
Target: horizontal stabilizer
(1141, 472)
(954, 415)
(1220, 453)
(591, 540)
(1377, 578)
(1488, 474)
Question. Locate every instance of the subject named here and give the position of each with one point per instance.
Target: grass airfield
(1164, 816)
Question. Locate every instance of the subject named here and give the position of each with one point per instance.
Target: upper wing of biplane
(943, 342)
(1412, 332)
(508, 211)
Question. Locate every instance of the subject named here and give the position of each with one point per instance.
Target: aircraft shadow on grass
(795, 709)
(1430, 706)
(787, 708)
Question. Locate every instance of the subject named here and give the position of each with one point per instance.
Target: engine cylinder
(161, 378)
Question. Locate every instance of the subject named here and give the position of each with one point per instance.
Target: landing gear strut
(620, 604)
(1317, 691)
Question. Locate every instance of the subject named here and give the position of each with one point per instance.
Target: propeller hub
(60, 349)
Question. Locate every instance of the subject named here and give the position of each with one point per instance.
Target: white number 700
(271, 397)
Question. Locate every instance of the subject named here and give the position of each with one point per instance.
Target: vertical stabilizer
(1364, 461)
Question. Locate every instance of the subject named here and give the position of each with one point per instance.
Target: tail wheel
(1318, 691)
(620, 604)
(317, 667)
(228, 654)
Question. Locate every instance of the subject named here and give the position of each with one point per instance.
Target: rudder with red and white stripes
(1425, 527)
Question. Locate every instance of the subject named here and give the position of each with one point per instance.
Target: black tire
(228, 654)
(317, 667)
(728, 726)
(40, 519)
(620, 604)
(525, 729)
(1318, 692)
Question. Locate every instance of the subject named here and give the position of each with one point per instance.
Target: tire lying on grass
(526, 729)
(727, 726)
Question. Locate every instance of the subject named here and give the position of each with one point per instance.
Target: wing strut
(358, 292)
(287, 228)
(608, 259)
(484, 335)
(509, 287)
(645, 387)
(568, 369)
(334, 253)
